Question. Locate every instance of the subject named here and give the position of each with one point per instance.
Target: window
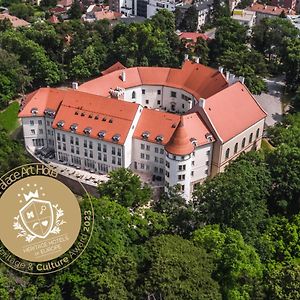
(85, 143)
(156, 169)
(142, 155)
(142, 166)
(167, 164)
(236, 147)
(227, 153)
(32, 131)
(104, 157)
(72, 149)
(243, 142)
(104, 148)
(58, 136)
(147, 167)
(71, 140)
(133, 95)
(85, 152)
(91, 145)
(77, 150)
(91, 154)
(64, 147)
(147, 101)
(76, 141)
(63, 137)
(113, 151)
(31, 122)
(167, 174)
(48, 123)
(182, 168)
(193, 162)
(59, 146)
(148, 147)
(147, 156)
(119, 161)
(113, 160)
(158, 102)
(156, 150)
(250, 138)
(162, 151)
(99, 147)
(181, 177)
(40, 122)
(257, 133)
(99, 156)
(182, 105)
(161, 171)
(49, 132)
(143, 146)
(206, 171)
(143, 92)
(208, 152)
(161, 160)
(156, 159)
(192, 173)
(41, 131)
(119, 151)
(173, 94)
(207, 162)
(158, 92)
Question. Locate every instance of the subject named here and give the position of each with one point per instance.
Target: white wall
(154, 6)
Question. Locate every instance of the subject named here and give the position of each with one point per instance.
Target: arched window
(236, 148)
(243, 142)
(250, 138)
(133, 95)
(227, 153)
(257, 132)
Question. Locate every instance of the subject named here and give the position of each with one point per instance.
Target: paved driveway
(271, 102)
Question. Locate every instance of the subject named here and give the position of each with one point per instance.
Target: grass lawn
(9, 117)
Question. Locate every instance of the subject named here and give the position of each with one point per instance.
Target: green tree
(21, 10)
(79, 68)
(75, 11)
(190, 20)
(125, 188)
(202, 51)
(176, 269)
(239, 269)
(284, 164)
(48, 3)
(91, 60)
(237, 197)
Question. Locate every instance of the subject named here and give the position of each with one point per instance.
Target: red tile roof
(233, 110)
(53, 19)
(269, 9)
(193, 36)
(208, 81)
(115, 67)
(99, 113)
(15, 22)
(157, 123)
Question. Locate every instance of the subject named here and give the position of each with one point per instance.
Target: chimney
(197, 60)
(221, 69)
(202, 102)
(75, 85)
(227, 75)
(186, 57)
(123, 76)
(242, 79)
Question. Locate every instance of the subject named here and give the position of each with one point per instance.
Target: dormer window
(73, 127)
(102, 134)
(90, 116)
(82, 114)
(209, 137)
(110, 120)
(116, 137)
(159, 138)
(76, 113)
(145, 135)
(97, 117)
(60, 123)
(87, 130)
(34, 110)
(103, 119)
(194, 142)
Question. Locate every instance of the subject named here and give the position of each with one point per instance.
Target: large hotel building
(177, 126)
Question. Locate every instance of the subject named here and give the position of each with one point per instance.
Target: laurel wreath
(29, 237)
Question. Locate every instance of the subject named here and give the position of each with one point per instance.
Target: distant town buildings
(175, 126)
(244, 17)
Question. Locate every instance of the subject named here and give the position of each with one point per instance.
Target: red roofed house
(174, 126)
(191, 38)
(268, 11)
(15, 22)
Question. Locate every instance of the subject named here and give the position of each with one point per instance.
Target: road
(271, 101)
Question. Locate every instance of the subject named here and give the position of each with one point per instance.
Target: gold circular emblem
(42, 228)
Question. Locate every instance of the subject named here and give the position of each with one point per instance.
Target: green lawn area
(9, 117)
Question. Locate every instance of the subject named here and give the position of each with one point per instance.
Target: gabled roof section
(233, 110)
(98, 114)
(115, 67)
(156, 123)
(40, 100)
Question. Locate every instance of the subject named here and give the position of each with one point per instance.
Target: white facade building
(173, 125)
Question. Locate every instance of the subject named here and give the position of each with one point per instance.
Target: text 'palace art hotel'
(179, 126)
